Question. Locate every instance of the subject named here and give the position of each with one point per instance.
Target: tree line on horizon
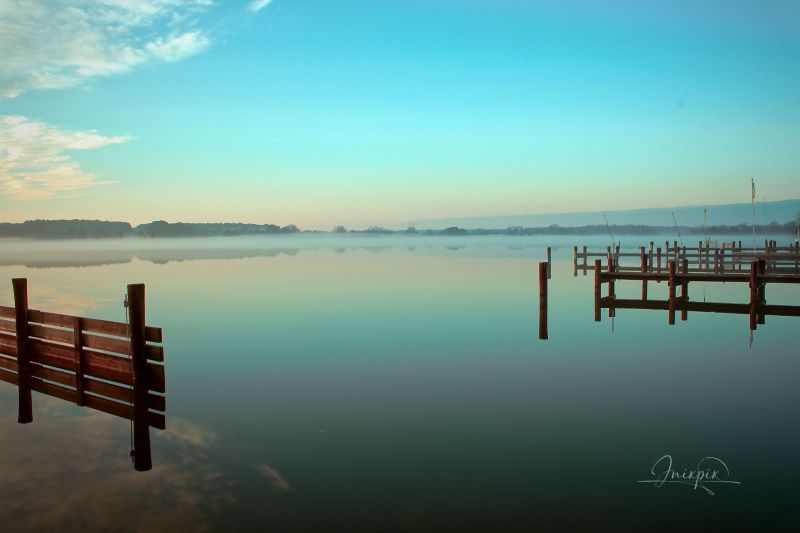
(102, 229)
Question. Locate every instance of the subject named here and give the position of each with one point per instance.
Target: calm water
(396, 383)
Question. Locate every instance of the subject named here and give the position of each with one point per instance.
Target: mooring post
(753, 295)
(543, 271)
(685, 289)
(650, 256)
(699, 253)
(141, 423)
(762, 297)
(23, 355)
(658, 260)
(612, 266)
(644, 271)
(671, 277)
(548, 262)
(575, 261)
(585, 260)
(597, 289)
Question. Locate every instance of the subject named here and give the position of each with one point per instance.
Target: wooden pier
(678, 275)
(720, 258)
(113, 367)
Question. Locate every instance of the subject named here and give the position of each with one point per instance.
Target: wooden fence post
(584, 260)
(543, 274)
(597, 289)
(23, 356)
(612, 266)
(575, 261)
(141, 422)
(77, 340)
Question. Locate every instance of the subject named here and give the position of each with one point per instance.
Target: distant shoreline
(112, 230)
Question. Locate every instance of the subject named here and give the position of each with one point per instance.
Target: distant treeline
(101, 229)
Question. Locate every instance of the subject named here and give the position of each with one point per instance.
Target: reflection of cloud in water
(276, 480)
(63, 300)
(69, 471)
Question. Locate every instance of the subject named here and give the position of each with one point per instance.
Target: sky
(362, 112)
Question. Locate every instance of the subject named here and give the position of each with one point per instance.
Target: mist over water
(319, 382)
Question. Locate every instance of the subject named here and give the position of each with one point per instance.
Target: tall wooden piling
(753, 295)
(543, 275)
(658, 260)
(141, 426)
(762, 296)
(671, 310)
(584, 260)
(644, 270)
(23, 355)
(685, 289)
(612, 312)
(597, 289)
(548, 262)
(574, 260)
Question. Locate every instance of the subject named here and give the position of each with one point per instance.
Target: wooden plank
(8, 364)
(9, 377)
(51, 374)
(7, 312)
(97, 364)
(94, 325)
(8, 326)
(51, 334)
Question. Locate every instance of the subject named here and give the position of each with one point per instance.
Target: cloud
(53, 44)
(34, 162)
(276, 480)
(257, 5)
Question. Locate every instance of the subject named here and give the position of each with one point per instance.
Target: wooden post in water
(23, 355)
(548, 262)
(753, 295)
(584, 260)
(671, 273)
(699, 254)
(612, 312)
(543, 275)
(762, 297)
(141, 423)
(650, 257)
(644, 271)
(597, 289)
(685, 289)
(575, 261)
(658, 260)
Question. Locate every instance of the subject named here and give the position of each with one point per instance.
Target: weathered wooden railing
(756, 277)
(109, 366)
(724, 257)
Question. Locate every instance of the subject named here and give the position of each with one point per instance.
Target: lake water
(324, 383)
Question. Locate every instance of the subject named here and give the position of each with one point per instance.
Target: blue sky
(378, 112)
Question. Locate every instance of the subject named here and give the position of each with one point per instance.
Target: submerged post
(23, 356)
(543, 271)
(597, 289)
(141, 423)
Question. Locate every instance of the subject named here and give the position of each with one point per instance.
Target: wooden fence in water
(113, 367)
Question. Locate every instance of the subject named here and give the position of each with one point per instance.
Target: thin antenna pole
(676, 228)
(613, 242)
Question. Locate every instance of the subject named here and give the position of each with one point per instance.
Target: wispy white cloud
(51, 44)
(257, 5)
(34, 158)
